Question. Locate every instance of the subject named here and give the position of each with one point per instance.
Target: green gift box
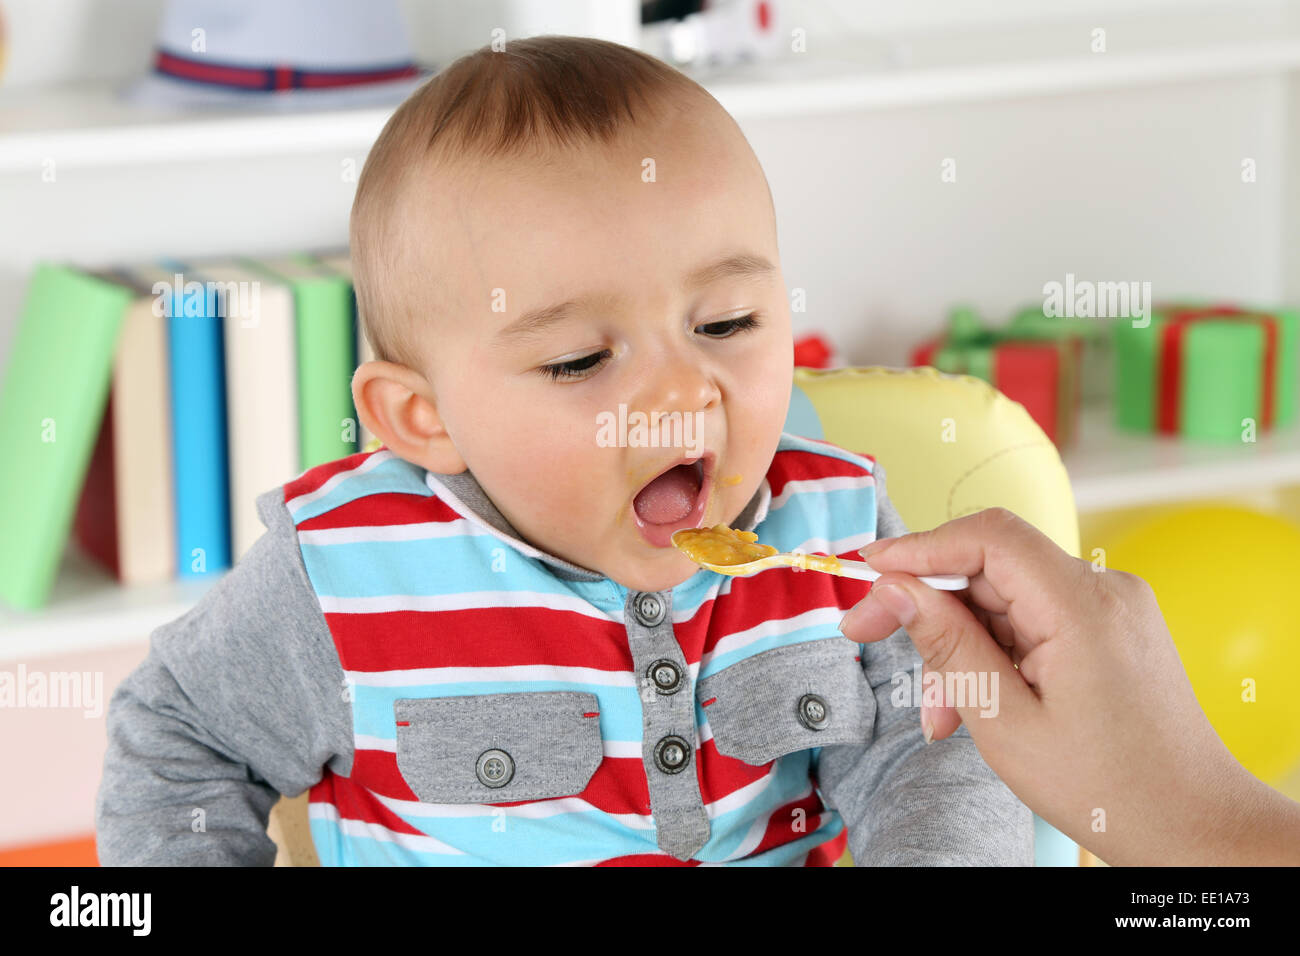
(1211, 372)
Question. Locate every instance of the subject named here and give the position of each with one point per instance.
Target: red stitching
(403, 723)
(709, 701)
(592, 714)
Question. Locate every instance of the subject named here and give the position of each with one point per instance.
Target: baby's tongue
(669, 497)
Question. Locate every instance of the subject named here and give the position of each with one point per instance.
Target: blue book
(196, 352)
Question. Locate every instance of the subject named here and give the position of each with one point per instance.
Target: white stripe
(820, 486)
(390, 532)
(536, 810)
(377, 831)
(461, 601)
(378, 458)
(609, 748)
(519, 672)
(780, 626)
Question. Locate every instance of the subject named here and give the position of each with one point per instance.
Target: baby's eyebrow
(741, 265)
(536, 321)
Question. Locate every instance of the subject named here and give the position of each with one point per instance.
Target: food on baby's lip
(720, 545)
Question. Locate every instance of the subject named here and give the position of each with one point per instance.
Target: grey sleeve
(909, 803)
(239, 700)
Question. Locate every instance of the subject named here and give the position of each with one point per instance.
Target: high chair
(950, 445)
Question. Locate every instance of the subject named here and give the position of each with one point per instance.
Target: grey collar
(464, 494)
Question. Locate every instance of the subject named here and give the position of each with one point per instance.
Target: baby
(477, 643)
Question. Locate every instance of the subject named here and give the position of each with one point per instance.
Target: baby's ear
(397, 405)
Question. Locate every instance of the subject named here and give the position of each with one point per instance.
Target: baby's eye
(575, 368)
(731, 326)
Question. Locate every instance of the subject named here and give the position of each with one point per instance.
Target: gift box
(1096, 335)
(1042, 374)
(1211, 372)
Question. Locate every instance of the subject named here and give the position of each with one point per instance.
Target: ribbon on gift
(1170, 370)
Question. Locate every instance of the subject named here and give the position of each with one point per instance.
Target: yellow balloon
(1228, 583)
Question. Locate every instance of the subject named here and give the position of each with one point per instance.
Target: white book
(261, 389)
(142, 436)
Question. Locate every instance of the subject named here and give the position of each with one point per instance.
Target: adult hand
(1098, 731)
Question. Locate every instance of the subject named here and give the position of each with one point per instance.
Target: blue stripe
(394, 475)
(426, 567)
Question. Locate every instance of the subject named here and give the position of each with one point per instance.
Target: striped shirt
(425, 600)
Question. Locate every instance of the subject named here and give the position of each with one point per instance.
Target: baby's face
(666, 244)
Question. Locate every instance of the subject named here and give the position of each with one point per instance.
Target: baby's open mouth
(675, 498)
(671, 496)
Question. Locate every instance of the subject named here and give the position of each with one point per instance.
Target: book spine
(326, 350)
(197, 381)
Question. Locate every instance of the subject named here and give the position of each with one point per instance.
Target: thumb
(978, 679)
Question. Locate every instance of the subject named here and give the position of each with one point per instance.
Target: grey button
(672, 754)
(666, 676)
(814, 713)
(495, 768)
(649, 609)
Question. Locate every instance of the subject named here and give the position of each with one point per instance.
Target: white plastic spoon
(859, 570)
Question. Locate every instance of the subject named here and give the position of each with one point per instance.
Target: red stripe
(647, 859)
(791, 821)
(793, 465)
(502, 637)
(382, 509)
(278, 77)
(209, 72)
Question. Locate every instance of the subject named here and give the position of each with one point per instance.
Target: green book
(326, 352)
(52, 400)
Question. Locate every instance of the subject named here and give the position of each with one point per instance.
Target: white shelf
(94, 127)
(89, 611)
(1113, 469)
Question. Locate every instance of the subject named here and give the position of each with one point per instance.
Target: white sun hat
(280, 53)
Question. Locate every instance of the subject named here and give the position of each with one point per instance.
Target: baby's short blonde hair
(535, 94)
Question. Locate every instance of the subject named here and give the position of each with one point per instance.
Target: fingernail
(927, 727)
(876, 547)
(853, 614)
(896, 601)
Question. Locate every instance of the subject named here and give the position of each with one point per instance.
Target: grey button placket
(667, 724)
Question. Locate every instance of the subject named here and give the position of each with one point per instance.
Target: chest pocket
(494, 748)
(811, 694)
